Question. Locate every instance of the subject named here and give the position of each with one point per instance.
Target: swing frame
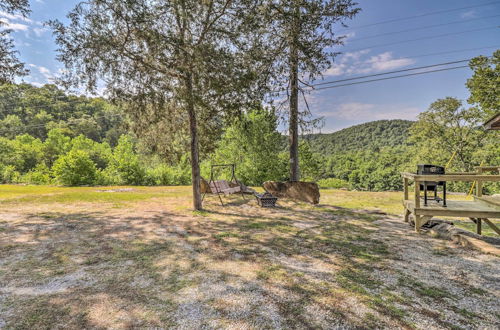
(212, 180)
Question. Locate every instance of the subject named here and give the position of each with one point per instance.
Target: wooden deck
(479, 210)
(461, 209)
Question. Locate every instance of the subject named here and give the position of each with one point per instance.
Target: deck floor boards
(466, 209)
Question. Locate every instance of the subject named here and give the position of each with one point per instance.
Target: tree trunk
(294, 98)
(195, 158)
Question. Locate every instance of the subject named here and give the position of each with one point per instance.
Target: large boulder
(204, 186)
(303, 191)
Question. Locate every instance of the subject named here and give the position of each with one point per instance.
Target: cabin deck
(479, 210)
(464, 209)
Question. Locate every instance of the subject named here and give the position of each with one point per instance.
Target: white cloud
(15, 26)
(40, 30)
(45, 72)
(356, 63)
(468, 14)
(385, 61)
(19, 23)
(368, 112)
(15, 17)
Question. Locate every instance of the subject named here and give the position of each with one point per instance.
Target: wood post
(479, 184)
(492, 225)
(405, 188)
(417, 194)
(478, 226)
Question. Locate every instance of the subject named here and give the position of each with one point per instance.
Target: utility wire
(455, 51)
(424, 38)
(387, 78)
(420, 15)
(390, 72)
(422, 28)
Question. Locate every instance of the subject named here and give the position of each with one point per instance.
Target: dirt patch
(155, 263)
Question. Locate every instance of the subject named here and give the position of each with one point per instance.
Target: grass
(100, 257)
(19, 194)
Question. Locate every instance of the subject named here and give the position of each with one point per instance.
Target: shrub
(10, 175)
(75, 169)
(162, 175)
(333, 183)
(126, 162)
(39, 175)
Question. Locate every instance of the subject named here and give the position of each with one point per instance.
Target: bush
(39, 175)
(161, 175)
(10, 175)
(75, 169)
(126, 162)
(333, 183)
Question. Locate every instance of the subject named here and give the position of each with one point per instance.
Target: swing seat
(222, 186)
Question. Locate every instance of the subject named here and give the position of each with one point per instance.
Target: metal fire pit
(266, 199)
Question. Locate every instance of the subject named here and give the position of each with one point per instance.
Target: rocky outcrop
(303, 191)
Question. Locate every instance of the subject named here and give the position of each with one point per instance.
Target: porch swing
(219, 187)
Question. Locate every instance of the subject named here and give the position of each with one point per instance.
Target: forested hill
(367, 136)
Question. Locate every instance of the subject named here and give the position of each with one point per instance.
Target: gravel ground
(151, 265)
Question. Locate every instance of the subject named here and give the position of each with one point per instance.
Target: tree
(183, 59)
(126, 163)
(10, 66)
(75, 169)
(484, 85)
(253, 144)
(448, 128)
(302, 36)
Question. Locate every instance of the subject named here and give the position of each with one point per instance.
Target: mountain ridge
(367, 136)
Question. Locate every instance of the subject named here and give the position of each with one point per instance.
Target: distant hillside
(372, 135)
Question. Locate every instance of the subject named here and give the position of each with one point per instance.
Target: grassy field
(136, 257)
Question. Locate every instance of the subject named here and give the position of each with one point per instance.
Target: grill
(432, 185)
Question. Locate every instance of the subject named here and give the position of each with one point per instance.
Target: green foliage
(10, 66)
(369, 170)
(75, 169)
(254, 145)
(10, 175)
(332, 183)
(310, 162)
(484, 85)
(26, 109)
(126, 162)
(39, 175)
(369, 136)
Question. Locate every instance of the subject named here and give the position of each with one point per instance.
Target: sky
(370, 48)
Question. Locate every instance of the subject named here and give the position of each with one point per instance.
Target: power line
(420, 15)
(387, 78)
(423, 28)
(455, 51)
(424, 38)
(390, 72)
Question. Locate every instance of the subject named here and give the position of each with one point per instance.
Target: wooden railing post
(479, 184)
(405, 186)
(417, 193)
(417, 206)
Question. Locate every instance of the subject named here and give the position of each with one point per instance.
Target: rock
(303, 191)
(204, 187)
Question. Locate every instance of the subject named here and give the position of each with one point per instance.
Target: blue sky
(341, 107)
